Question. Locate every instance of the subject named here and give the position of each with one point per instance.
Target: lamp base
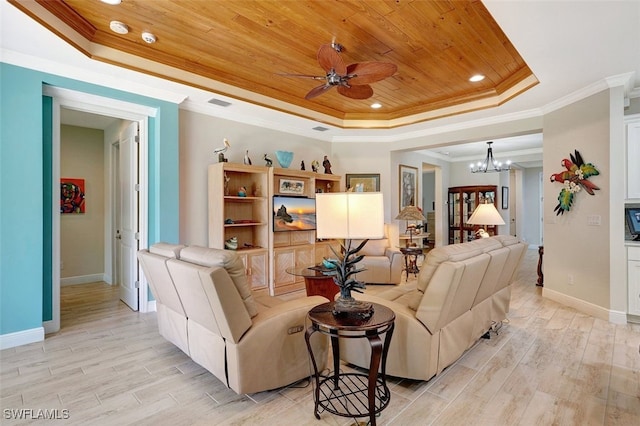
(352, 307)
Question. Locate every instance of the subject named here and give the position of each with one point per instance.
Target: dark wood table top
(323, 316)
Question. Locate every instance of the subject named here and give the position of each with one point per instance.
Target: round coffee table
(317, 281)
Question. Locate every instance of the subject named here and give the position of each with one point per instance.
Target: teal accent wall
(25, 295)
(47, 209)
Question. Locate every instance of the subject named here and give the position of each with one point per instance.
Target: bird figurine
(269, 161)
(574, 179)
(247, 160)
(220, 151)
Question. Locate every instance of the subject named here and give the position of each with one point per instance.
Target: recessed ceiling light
(376, 105)
(476, 78)
(112, 2)
(148, 37)
(119, 27)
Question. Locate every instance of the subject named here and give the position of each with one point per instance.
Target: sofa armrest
(396, 260)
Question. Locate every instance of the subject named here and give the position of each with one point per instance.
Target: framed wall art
(363, 182)
(72, 195)
(505, 197)
(408, 180)
(290, 186)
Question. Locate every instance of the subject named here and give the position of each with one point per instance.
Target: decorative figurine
(268, 160)
(220, 151)
(327, 165)
(257, 191)
(231, 243)
(247, 160)
(315, 166)
(302, 165)
(242, 191)
(226, 183)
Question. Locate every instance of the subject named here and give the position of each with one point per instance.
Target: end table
(352, 394)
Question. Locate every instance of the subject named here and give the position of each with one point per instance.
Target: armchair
(382, 261)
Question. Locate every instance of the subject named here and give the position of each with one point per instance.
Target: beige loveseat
(461, 292)
(206, 308)
(382, 262)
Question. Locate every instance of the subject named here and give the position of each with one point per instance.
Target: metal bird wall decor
(574, 179)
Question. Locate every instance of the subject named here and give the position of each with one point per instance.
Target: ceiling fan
(353, 80)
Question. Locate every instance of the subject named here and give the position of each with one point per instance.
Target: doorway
(88, 105)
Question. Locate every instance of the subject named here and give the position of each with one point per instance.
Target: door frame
(85, 102)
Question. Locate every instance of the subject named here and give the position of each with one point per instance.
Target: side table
(352, 394)
(411, 259)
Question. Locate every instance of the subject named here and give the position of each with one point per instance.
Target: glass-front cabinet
(462, 202)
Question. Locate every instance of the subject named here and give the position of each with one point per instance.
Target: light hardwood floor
(549, 365)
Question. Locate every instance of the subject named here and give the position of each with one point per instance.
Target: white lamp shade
(485, 214)
(350, 215)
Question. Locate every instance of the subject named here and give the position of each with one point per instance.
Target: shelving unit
(297, 248)
(462, 201)
(243, 217)
(249, 217)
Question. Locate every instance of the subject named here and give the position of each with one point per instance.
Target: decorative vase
(231, 243)
(284, 158)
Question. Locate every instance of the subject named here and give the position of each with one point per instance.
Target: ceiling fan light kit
(351, 81)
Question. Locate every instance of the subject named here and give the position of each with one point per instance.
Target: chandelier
(490, 164)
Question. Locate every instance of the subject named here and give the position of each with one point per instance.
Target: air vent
(320, 129)
(219, 102)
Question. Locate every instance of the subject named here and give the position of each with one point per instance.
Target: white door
(128, 233)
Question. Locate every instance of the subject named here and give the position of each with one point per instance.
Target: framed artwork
(363, 182)
(290, 186)
(408, 180)
(505, 197)
(72, 195)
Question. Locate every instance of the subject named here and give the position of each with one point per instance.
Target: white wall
(573, 249)
(200, 134)
(82, 235)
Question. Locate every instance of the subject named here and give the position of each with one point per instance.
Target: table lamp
(348, 216)
(411, 213)
(485, 214)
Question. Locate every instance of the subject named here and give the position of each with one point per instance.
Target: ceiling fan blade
(363, 91)
(370, 72)
(317, 91)
(329, 59)
(314, 77)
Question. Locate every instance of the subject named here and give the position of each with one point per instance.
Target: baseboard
(585, 307)
(82, 279)
(19, 338)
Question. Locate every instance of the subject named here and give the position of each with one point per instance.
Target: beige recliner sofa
(382, 262)
(461, 292)
(206, 308)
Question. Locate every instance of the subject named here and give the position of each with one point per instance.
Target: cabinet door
(633, 277)
(305, 256)
(283, 258)
(257, 270)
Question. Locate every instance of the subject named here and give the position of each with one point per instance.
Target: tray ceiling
(238, 48)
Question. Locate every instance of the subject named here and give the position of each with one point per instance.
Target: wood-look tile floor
(549, 365)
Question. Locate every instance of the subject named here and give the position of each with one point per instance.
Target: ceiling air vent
(219, 102)
(320, 129)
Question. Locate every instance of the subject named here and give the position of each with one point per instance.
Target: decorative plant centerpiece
(345, 269)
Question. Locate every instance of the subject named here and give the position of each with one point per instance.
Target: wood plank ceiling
(237, 48)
